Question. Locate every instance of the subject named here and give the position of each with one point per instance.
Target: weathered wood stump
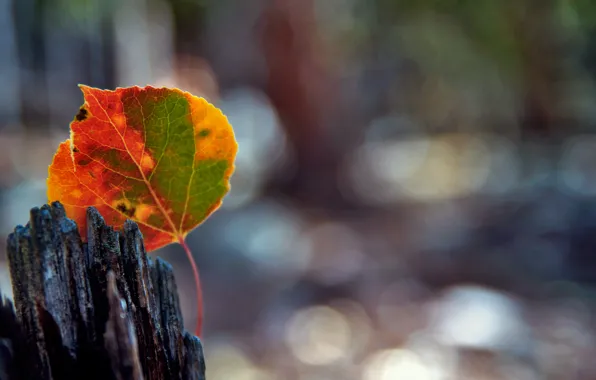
(96, 310)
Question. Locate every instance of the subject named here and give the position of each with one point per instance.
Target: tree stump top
(96, 310)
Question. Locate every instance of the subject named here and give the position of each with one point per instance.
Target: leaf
(161, 157)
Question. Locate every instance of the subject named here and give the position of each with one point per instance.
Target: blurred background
(415, 193)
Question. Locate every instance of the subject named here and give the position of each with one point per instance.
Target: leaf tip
(88, 89)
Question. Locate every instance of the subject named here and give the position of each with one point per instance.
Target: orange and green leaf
(161, 157)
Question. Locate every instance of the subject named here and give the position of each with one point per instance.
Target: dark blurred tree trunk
(539, 70)
(549, 67)
(306, 96)
(189, 27)
(9, 72)
(29, 23)
(59, 45)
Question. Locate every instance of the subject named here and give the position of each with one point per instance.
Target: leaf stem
(195, 271)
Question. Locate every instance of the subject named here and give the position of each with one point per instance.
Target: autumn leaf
(161, 157)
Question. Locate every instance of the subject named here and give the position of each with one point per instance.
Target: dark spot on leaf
(75, 150)
(130, 212)
(84, 161)
(204, 132)
(82, 115)
(91, 174)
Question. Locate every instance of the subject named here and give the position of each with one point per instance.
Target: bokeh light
(226, 361)
(479, 318)
(319, 335)
(398, 364)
